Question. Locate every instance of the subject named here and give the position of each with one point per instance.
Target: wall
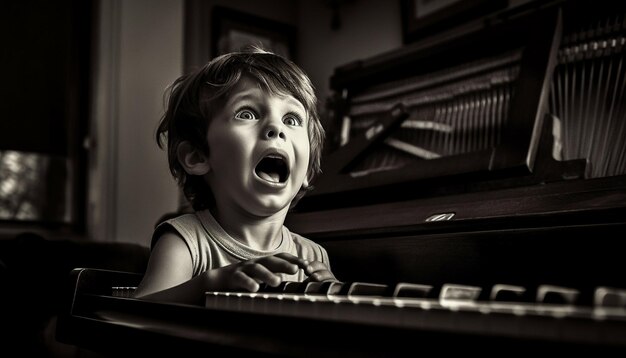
(368, 28)
(198, 22)
(140, 50)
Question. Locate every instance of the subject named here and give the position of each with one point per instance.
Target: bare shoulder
(169, 243)
(169, 265)
(171, 251)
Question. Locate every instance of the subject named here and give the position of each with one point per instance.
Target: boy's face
(258, 150)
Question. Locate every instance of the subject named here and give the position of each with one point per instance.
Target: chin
(270, 207)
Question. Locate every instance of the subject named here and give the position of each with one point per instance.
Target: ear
(192, 160)
(305, 183)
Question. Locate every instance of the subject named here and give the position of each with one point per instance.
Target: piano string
(464, 109)
(451, 112)
(587, 97)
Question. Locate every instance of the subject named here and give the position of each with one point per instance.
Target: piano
(474, 200)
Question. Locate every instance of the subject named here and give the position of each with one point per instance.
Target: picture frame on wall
(423, 18)
(234, 30)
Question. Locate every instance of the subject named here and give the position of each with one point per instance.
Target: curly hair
(194, 99)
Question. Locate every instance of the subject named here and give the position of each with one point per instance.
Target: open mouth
(273, 168)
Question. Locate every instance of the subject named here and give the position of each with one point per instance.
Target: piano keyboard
(554, 313)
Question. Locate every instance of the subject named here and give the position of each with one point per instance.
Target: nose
(273, 131)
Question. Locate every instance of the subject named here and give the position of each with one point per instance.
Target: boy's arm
(169, 271)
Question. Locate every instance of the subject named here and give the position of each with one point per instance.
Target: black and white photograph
(312, 178)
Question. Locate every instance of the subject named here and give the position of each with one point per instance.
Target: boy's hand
(247, 275)
(318, 272)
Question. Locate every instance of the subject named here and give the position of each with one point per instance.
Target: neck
(257, 232)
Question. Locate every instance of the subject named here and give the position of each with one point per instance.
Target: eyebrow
(244, 95)
(293, 101)
(256, 94)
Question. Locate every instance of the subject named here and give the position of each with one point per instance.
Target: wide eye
(246, 114)
(292, 120)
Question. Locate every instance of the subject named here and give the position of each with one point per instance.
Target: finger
(315, 266)
(323, 275)
(259, 272)
(279, 264)
(240, 280)
(300, 262)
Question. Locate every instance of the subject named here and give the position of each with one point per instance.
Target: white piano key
(523, 320)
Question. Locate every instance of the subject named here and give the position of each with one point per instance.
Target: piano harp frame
(539, 35)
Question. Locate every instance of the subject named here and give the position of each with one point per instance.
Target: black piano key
(294, 287)
(609, 297)
(368, 289)
(452, 291)
(509, 293)
(557, 295)
(336, 288)
(315, 288)
(412, 290)
(265, 288)
(322, 288)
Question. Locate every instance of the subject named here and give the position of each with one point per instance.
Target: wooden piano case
(464, 161)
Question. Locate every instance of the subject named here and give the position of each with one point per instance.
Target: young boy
(244, 141)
